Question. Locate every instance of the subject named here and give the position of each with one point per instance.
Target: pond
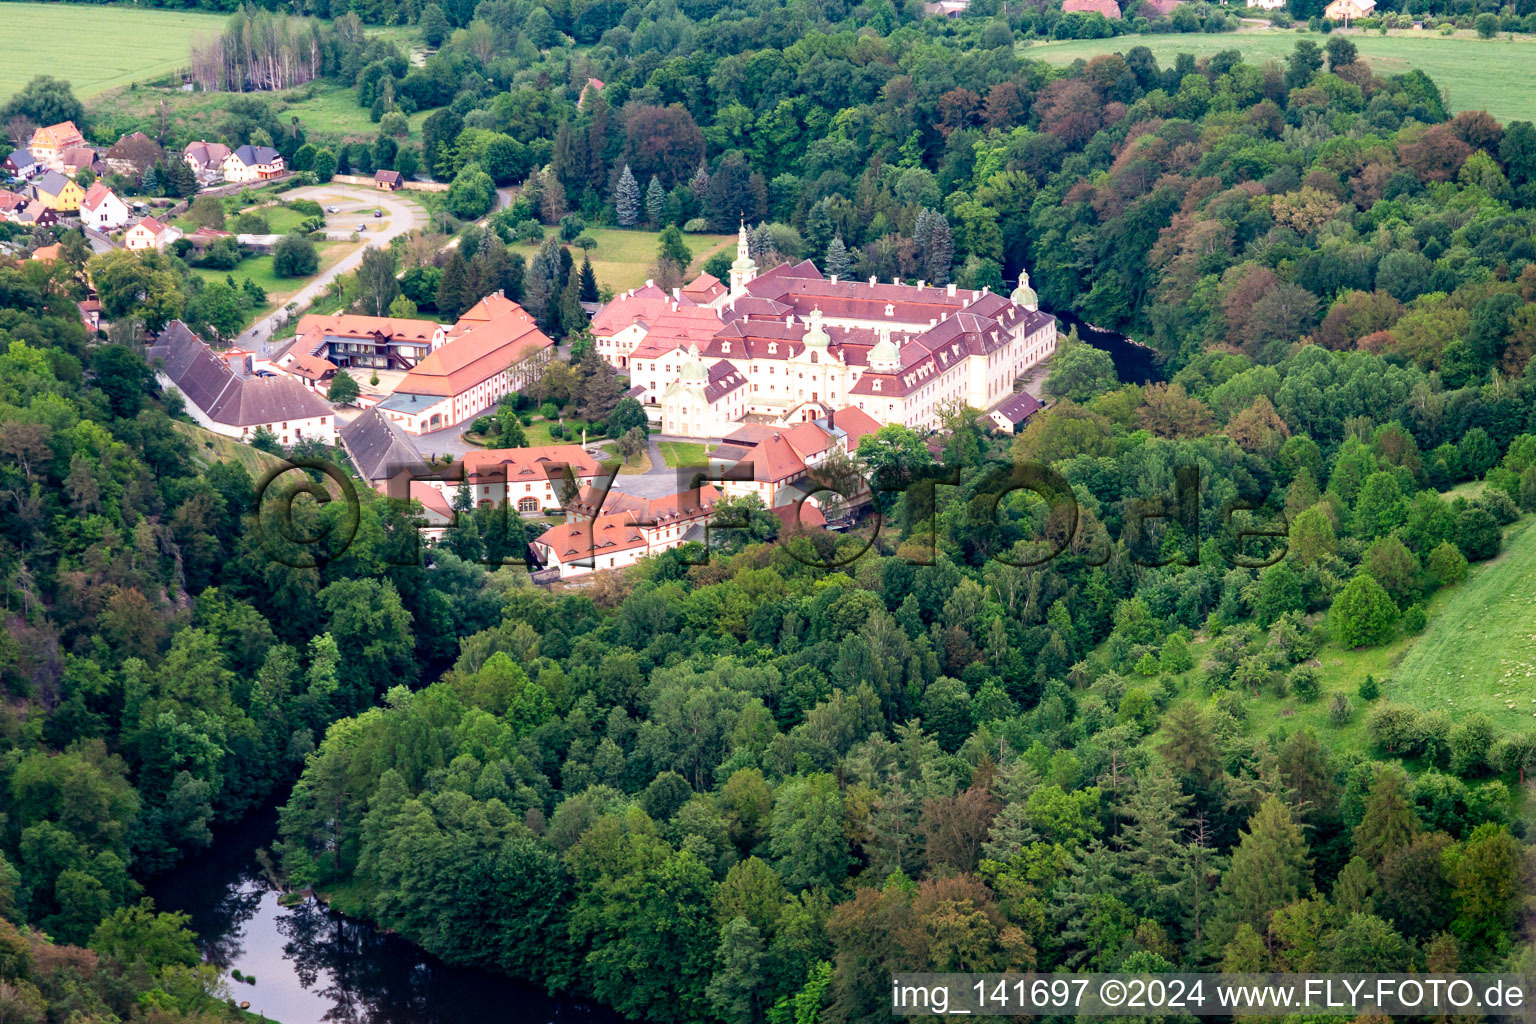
(312, 964)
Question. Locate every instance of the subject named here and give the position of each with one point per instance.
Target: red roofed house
(624, 530)
(495, 349)
(49, 144)
(150, 234)
(102, 210)
(620, 326)
(1108, 8)
(547, 476)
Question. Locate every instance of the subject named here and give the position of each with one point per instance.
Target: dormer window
(773, 348)
(877, 385)
(890, 309)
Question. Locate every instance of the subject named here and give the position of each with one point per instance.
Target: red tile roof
(475, 352)
(527, 465)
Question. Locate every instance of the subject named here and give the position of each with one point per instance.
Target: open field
(96, 48)
(1475, 74)
(208, 447)
(622, 256)
(1478, 653)
(278, 289)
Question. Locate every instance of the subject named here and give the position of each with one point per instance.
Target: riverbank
(1135, 363)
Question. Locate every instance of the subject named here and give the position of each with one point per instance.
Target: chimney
(649, 283)
(895, 280)
(985, 289)
(677, 293)
(951, 288)
(920, 284)
(834, 279)
(873, 281)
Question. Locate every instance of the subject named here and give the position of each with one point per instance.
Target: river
(1134, 363)
(313, 965)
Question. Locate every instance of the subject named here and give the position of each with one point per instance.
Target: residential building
(1349, 10)
(365, 342)
(253, 163)
(1109, 8)
(623, 530)
(531, 479)
(704, 290)
(494, 349)
(35, 214)
(149, 233)
(1013, 415)
(83, 158)
(380, 451)
(807, 344)
(21, 165)
(102, 209)
(237, 406)
(206, 160)
(58, 193)
(134, 154)
(11, 204)
(49, 144)
(780, 464)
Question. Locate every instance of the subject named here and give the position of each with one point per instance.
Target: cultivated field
(95, 48)
(1475, 74)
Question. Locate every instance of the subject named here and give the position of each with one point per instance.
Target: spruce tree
(1271, 868)
(588, 281)
(1152, 841)
(838, 260)
(655, 201)
(455, 292)
(572, 317)
(1390, 822)
(541, 287)
(626, 199)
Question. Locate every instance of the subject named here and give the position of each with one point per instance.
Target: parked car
(333, 209)
(362, 227)
(378, 213)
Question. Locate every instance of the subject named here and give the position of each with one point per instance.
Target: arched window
(528, 505)
(814, 357)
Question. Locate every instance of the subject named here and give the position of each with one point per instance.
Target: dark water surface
(1135, 364)
(312, 964)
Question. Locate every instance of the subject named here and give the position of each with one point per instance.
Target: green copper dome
(1024, 295)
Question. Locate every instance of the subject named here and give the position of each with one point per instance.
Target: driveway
(355, 203)
(660, 481)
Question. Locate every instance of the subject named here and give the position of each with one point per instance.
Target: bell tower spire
(743, 269)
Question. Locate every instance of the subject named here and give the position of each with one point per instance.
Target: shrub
(1414, 619)
(1305, 682)
(696, 225)
(556, 430)
(1369, 690)
(482, 425)
(1498, 504)
(1447, 565)
(548, 411)
(295, 256)
(1339, 710)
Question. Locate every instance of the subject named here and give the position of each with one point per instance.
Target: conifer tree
(626, 199)
(1271, 868)
(1152, 842)
(455, 292)
(588, 281)
(839, 263)
(1390, 822)
(655, 201)
(572, 317)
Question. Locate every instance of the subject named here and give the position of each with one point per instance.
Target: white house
(234, 405)
(150, 234)
(623, 531)
(102, 210)
(253, 163)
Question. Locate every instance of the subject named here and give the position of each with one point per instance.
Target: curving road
(356, 205)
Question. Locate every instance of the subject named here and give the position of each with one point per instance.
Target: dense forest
(748, 789)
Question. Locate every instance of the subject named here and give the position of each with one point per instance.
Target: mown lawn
(278, 289)
(623, 256)
(683, 453)
(95, 48)
(1478, 653)
(1475, 74)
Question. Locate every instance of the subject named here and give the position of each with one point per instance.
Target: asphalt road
(356, 202)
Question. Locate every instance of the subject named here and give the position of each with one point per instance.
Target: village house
(83, 158)
(102, 209)
(494, 349)
(253, 163)
(49, 144)
(11, 204)
(58, 193)
(134, 154)
(21, 165)
(1013, 415)
(35, 214)
(806, 344)
(1109, 8)
(232, 404)
(623, 530)
(1349, 10)
(149, 233)
(206, 160)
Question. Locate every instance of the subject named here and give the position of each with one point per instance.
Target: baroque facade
(791, 345)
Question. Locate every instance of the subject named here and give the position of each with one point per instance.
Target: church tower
(743, 269)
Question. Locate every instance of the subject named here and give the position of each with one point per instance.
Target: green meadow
(1474, 74)
(95, 48)
(622, 256)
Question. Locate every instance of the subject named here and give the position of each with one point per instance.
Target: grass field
(622, 257)
(95, 48)
(683, 453)
(1475, 74)
(278, 289)
(1478, 654)
(208, 447)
